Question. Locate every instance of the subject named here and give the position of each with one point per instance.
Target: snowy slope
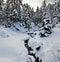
(49, 46)
(12, 47)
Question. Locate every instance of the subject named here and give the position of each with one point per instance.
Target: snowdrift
(12, 47)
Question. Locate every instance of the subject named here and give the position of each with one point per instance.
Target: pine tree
(13, 11)
(58, 9)
(37, 16)
(44, 4)
(26, 15)
(1, 3)
(47, 19)
(32, 12)
(1, 10)
(38, 9)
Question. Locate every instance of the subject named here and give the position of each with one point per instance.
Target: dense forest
(43, 19)
(27, 35)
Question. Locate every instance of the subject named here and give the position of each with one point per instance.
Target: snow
(18, 26)
(26, 38)
(50, 46)
(12, 47)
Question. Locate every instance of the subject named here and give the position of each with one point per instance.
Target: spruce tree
(25, 15)
(13, 10)
(1, 10)
(47, 26)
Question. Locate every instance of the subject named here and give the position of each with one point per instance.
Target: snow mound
(49, 47)
(18, 27)
(12, 47)
(4, 33)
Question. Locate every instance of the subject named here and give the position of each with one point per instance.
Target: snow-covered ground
(50, 46)
(12, 47)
